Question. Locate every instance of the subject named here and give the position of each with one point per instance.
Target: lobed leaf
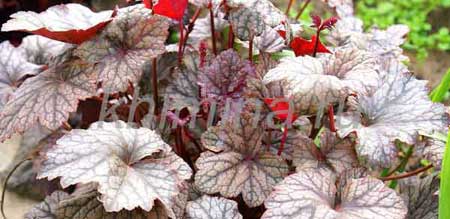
(213, 208)
(337, 154)
(247, 23)
(48, 98)
(225, 77)
(47, 208)
(184, 91)
(398, 109)
(86, 205)
(120, 52)
(242, 166)
(40, 50)
(70, 23)
(313, 194)
(133, 167)
(315, 82)
(421, 196)
(13, 67)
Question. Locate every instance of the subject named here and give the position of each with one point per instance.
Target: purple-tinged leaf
(213, 208)
(290, 144)
(133, 167)
(47, 208)
(225, 77)
(85, 204)
(317, 21)
(120, 52)
(242, 166)
(184, 90)
(48, 98)
(313, 194)
(397, 110)
(337, 154)
(71, 23)
(421, 196)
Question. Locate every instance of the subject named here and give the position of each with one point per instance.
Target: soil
(15, 206)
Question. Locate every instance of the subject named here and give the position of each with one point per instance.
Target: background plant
(415, 13)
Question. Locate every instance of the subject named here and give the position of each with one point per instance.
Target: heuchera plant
(118, 123)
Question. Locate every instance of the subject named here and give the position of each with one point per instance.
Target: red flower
(280, 108)
(170, 8)
(303, 47)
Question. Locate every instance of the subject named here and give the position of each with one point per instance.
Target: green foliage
(413, 13)
(440, 93)
(444, 192)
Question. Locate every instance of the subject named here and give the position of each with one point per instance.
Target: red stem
(230, 38)
(408, 174)
(155, 84)
(213, 32)
(180, 43)
(150, 2)
(331, 118)
(288, 9)
(316, 44)
(180, 148)
(191, 27)
(283, 141)
(250, 49)
(302, 9)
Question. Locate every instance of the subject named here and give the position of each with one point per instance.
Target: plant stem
(230, 38)
(283, 141)
(179, 144)
(150, 2)
(408, 174)
(331, 118)
(155, 85)
(191, 27)
(250, 49)
(302, 9)
(180, 43)
(213, 32)
(402, 165)
(288, 9)
(6, 183)
(67, 126)
(316, 44)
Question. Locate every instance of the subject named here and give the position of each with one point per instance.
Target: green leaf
(438, 94)
(436, 135)
(444, 193)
